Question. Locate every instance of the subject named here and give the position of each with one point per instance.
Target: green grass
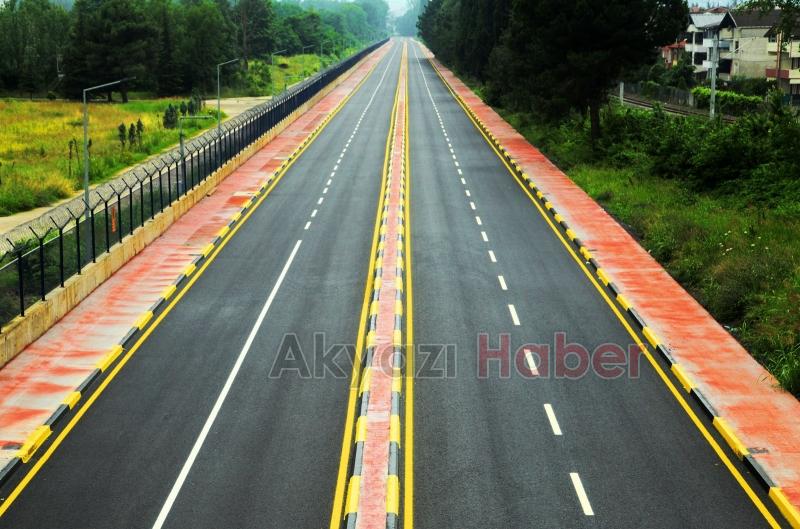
(742, 262)
(35, 164)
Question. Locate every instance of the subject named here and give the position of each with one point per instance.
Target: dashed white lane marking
(313, 213)
(582, 497)
(456, 164)
(329, 181)
(551, 416)
(492, 257)
(484, 236)
(339, 161)
(479, 221)
(468, 193)
(333, 173)
(454, 157)
(320, 200)
(452, 151)
(335, 167)
(531, 363)
(472, 205)
(198, 444)
(308, 224)
(463, 181)
(502, 282)
(459, 171)
(514, 316)
(325, 191)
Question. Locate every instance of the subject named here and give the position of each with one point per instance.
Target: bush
(727, 102)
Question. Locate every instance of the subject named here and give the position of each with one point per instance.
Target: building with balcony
(700, 35)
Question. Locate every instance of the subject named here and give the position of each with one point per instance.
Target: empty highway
(232, 412)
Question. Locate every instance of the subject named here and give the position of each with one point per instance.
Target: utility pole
(714, 61)
(219, 112)
(86, 138)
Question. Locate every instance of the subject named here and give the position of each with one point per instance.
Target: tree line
(550, 56)
(169, 46)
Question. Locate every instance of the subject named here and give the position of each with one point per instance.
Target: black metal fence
(42, 255)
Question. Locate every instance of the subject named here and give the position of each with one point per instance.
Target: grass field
(36, 168)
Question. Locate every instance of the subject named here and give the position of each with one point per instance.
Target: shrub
(727, 102)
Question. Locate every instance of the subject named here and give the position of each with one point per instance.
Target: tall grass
(36, 169)
(740, 259)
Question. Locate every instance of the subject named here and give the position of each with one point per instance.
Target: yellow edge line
(408, 460)
(675, 392)
(104, 384)
(347, 436)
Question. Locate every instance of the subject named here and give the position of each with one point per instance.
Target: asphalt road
(270, 457)
(582, 451)
(222, 417)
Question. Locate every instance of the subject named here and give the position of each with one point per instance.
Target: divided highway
(231, 414)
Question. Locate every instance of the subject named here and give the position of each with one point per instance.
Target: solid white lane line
(531, 363)
(320, 200)
(313, 213)
(492, 257)
(584, 499)
(502, 282)
(472, 205)
(551, 416)
(307, 225)
(479, 221)
(514, 316)
(484, 236)
(198, 444)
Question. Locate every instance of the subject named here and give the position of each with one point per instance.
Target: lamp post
(287, 77)
(180, 138)
(273, 54)
(219, 112)
(86, 137)
(305, 70)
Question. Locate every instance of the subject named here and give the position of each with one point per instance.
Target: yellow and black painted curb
(38, 437)
(774, 492)
(362, 405)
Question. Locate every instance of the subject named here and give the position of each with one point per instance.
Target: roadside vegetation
(41, 145)
(716, 204)
(168, 49)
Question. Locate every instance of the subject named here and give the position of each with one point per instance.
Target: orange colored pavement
(37, 380)
(766, 418)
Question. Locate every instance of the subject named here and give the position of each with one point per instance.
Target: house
(751, 52)
(672, 52)
(700, 40)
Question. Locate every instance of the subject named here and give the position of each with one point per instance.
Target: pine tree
(121, 134)
(132, 135)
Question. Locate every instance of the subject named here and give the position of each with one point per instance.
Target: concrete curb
(650, 338)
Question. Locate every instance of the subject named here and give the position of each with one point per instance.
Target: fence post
(141, 196)
(118, 194)
(41, 258)
(77, 238)
(20, 280)
(91, 219)
(160, 190)
(60, 229)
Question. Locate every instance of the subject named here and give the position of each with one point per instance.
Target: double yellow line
(210, 259)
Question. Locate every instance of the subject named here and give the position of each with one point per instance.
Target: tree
(121, 134)
(167, 74)
(131, 135)
(254, 19)
(564, 55)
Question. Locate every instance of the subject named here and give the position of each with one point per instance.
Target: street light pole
(86, 138)
(219, 112)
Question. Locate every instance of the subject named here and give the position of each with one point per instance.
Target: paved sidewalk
(765, 418)
(34, 384)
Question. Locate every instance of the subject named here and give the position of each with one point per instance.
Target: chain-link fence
(41, 255)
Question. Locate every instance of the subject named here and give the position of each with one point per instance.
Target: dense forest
(550, 55)
(169, 46)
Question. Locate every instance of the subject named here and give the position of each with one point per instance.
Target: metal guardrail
(39, 256)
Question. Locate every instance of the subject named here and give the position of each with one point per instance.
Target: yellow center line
(670, 386)
(210, 259)
(347, 436)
